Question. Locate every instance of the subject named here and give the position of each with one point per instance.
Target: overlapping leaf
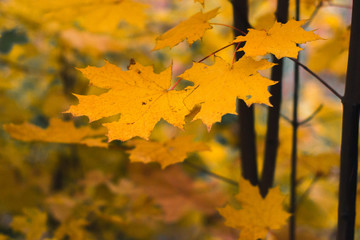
(257, 215)
(192, 29)
(166, 153)
(279, 40)
(216, 87)
(58, 131)
(140, 95)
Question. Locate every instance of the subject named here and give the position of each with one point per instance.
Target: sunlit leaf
(140, 95)
(279, 40)
(216, 87)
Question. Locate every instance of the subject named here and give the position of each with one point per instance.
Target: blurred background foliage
(72, 191)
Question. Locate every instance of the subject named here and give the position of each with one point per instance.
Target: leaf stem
(317, 77)
(234, 57)
(173, 86)
(232, 27)
(213, 53)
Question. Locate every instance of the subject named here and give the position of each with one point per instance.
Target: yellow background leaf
(166, 153)
(192, 29)
(58, 131)
(334, 61)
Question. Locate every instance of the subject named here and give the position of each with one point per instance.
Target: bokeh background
(80, 191)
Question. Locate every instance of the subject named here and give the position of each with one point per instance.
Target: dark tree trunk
(247, 136)
(272, 130)
(350, 134)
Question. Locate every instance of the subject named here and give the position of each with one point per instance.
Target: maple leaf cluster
(143, 97)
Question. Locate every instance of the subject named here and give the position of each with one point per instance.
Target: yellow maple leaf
(140, 95)
(191, 29)
(166, 153)
(279, 40)
(58, 131)
(32, 224)
(257, 215)
(216, 87)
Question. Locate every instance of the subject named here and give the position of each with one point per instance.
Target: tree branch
(201, 169)
(317, 77)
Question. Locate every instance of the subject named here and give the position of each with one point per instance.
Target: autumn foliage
(119, 119)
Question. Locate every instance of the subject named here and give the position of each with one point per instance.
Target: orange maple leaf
(58, 131)
(140, 95)
(176, 192)
(216, 87)
(257, 215)
(279, 40)
(166, 153)
(192, 29)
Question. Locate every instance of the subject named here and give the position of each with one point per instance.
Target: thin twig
(232, 27)
(222, 178)
(213, 53)
(311, 116)
(314, 13)
(317, 77)
(201, 60)
(294, 145)
(286, 118)
(339, 5)
(282, 116)
(308, 190)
